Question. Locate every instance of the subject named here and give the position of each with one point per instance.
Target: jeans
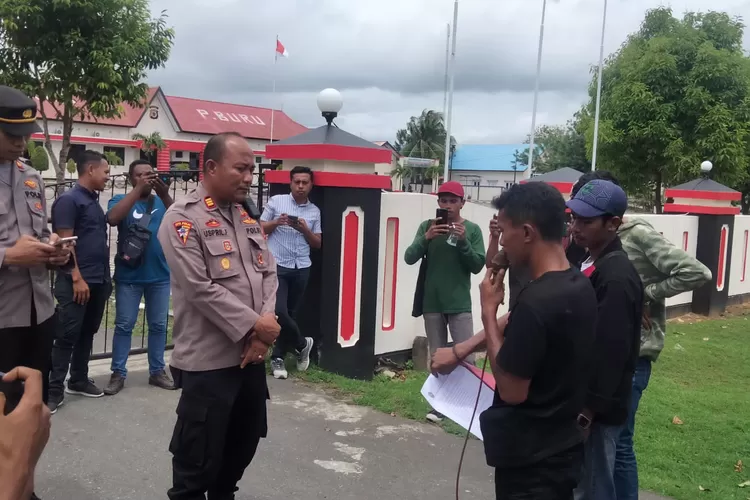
(599, 464)
(127, 304)
(292, 284)
(626, 467)
(77, 324)
(436, 328)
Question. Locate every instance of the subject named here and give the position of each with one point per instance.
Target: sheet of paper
(454, 396)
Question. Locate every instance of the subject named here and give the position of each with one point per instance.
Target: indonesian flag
(280, 49)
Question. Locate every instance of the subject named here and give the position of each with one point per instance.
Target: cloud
(387, 57)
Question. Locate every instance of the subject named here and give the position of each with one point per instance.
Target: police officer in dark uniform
(224, 289)
(27, 250)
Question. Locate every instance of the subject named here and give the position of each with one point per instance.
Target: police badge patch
(183, 228)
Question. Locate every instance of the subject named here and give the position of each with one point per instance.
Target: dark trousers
(292, 284)
(28, 346)
(553, 478)
(221, 417)
(76, 326)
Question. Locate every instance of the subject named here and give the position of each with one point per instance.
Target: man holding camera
(141, 271)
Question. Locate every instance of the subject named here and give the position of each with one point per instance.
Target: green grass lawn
(702, 382)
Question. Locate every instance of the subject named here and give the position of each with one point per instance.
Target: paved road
(318, 448)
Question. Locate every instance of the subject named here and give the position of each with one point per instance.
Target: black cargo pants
(221, 417)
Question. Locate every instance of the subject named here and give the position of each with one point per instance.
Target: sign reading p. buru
(230, 117)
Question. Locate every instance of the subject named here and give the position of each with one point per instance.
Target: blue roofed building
(486, 169)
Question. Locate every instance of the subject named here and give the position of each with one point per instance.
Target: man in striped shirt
(292, 224)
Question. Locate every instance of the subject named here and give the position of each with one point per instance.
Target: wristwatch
(584, 422)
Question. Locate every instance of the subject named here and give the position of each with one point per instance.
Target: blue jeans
(127, 304)
(599, 464)
(626, 467)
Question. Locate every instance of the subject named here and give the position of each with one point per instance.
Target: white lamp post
(329, 104)
(706, 167)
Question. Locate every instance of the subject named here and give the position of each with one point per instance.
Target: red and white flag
(280, 49)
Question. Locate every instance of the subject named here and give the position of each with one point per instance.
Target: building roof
(565, 174)
(203, 117)
(209, 117)
(329, 142)
(704, 184)
(487, 157)
(130, 115)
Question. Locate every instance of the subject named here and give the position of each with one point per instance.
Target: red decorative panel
(349, 272)
(722, 263)
(744, 256)
(390, 274)
(163, 158)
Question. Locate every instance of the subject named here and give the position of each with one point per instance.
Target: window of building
(178, 154)
(258, 160)
(119, 152)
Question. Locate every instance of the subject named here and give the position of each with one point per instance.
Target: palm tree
(402, 173)
(433, 173)
(424, 137)
(150, 144)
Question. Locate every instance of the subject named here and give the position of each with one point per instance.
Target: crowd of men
(571, 359)
(573, 355)
(210, 250)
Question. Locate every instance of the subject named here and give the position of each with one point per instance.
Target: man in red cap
(451, 249)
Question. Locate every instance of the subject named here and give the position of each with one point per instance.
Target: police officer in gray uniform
(27, 250)
(224, 285)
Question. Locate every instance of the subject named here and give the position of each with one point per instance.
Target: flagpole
(273, 91)
(536, 87)
(449, 109)
(447, 63)
(599, 90)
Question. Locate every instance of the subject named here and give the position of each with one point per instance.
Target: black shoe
(55, 402)
(34, 497)
(115, 385)
(161, 380)
(87, 389)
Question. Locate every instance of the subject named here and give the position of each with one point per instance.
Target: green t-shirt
(448, 280)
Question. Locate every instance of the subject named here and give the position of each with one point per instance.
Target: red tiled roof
(205, 117)
(130, 115)
(208, 117)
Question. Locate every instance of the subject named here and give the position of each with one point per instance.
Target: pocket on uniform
(190, 438)
(223, 260)
(260, 253)
(36, 211)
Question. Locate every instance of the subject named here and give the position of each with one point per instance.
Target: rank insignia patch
(209, 202)
(30, 184)
(213, 223)
(249, 221)
(183, 228)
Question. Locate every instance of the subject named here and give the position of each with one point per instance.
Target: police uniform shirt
(223, 279)
(23, 211)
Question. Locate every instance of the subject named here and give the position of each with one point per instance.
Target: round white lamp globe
(330, 101)
(706, 166)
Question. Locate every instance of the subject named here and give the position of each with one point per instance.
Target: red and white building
(184, 124)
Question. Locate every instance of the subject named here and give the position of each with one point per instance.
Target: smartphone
(10, 390)
(442, 215)
(62, 241)
(293, 218)
(166, 178)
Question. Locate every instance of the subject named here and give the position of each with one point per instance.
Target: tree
(70, 166)
(83, 58)
(675, 94)
(556, 147)
(402, 173)
(38, 157)
(150, 144)
(424, 137)
(112, 158)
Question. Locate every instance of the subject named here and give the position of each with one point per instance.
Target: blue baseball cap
(597, 198)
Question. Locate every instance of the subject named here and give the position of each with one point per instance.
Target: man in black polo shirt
(597, 210)
(532, 433)
(82, 293)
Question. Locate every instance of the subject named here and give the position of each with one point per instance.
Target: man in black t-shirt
(597, 214)
(532, 434)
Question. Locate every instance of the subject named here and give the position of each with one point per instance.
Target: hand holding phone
(63, 241)
(442, 215)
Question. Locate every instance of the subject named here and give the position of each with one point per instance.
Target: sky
(387, 57)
